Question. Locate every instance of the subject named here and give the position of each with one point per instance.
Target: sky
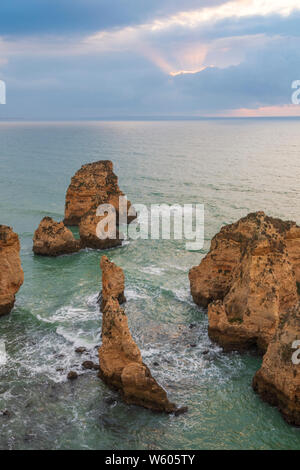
(90, 59)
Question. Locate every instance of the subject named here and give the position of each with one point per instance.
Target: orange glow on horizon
(288, 110)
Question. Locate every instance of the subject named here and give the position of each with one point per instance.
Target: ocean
(233, 167)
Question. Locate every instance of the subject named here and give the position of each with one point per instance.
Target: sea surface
(233, 167)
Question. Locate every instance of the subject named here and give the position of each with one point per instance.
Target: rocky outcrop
(92, 185)
(121, 363)
(88, 233)
(278, 380)
(247, 280)
(113, 282)
(250, 282)
(212, 279)
(264, 288)
(54, 239)
(292, 239)
(11, 273)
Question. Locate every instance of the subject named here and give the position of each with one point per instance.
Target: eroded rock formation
(121, 363)
(54, 239)
(11, 273)
(247, 296)
(212, 279)
(263, 288)
(278, 380)
(92, 185)
(292, 239)
(113, 282)
(88, 233)
(250, 282)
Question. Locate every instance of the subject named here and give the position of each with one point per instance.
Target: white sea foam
(133, 294)
(152, 270)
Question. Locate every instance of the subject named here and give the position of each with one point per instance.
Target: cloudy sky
(77, 59)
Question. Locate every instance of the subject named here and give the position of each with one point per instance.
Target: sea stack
(92, 185)
(121, 363)
(248, 282)
(278, 380)
(88, 233)
(11, 273)
(54, 239)
(113, 282)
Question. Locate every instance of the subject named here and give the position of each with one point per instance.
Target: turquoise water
(232, 167)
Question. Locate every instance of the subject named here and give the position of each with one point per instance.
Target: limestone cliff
(247, 280)
(212, 279)
(11, 273)
(278, 380)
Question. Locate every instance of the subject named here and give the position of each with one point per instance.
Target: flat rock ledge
(121, 363)
(11, 273)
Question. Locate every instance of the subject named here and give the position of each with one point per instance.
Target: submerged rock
(278, 380)
(256, 288)
(54, 239)
(72, 375)
(11, 273)
(113, 282)
(121, 363)
(94, 184)
(88, 233)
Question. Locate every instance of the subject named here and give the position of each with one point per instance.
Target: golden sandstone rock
(54, 239)
(121, 364)
(250, 282)
(278, 380)
(113, 282)
(88, 233)
(11, 273)
(92, 185)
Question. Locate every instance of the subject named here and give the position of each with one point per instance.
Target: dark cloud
(21, 17)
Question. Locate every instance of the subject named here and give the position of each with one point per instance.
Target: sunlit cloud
(192, 19)
(185, 72)
(190, 58)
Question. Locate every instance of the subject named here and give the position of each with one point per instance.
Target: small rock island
(92, 185)
(54, 239)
